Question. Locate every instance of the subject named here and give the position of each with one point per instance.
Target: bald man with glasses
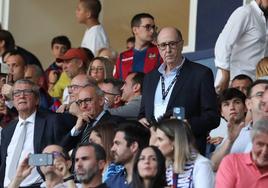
(179, 82)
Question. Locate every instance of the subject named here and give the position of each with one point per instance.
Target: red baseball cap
(74, 53)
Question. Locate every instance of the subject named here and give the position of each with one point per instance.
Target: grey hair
(260, 126)
(34, 87)
(99, 92)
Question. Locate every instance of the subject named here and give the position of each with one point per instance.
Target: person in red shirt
(144, 57)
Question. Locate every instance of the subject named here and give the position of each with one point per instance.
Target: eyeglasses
(97, 69)
(57, 154)
(258, 94)
(85, 101)
(74, 87)
(108, 93)
(149, 27)
(26, 92)
(171, 44)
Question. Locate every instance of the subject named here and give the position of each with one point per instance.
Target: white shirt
(28, 148)
(243, 41)
(160, 105)
(95, 38)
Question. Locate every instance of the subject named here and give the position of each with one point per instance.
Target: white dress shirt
(160, 105)
(28, 148)
(243, 42)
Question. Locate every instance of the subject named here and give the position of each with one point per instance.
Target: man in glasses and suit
(144, 57)
(180, 83)
(91, 105)
(31, 132)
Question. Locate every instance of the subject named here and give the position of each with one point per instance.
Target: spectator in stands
(56, 175)
(144, 57)
(108, 53)
(233, 110)
(247, 169)
(130, 43)
(87, 13)
(242, 43)
(129, 138)
(239, 141)
(103, 134)
(185, 166)
(31, 132)
(59, 45)
(35, 74)
(149, 169)
(131, 95)
(74, 62)
(241, 82)
(112, 92)
(100, 68)
(8, 44)
(90, 102)
(262, 69)
(77, 83)
(180, 82)
(90, 161)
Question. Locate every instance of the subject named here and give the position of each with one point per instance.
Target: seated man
(131, 95)
(91, 103)
(56, 175)
(112, 92)
(247, 169)
(129, 138)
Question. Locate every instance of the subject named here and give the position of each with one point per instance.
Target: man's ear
(134, 147)
(136, 88)
(101, 101)
(69, 164)
(101, 164)
(248, 104)
(80, 63)
(134, 30)
(2, 43)
(117, 99)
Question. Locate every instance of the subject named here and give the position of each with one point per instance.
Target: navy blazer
(194, 90)
(49, 129)
(70, 142)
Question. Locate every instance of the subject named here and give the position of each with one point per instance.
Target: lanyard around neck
(165, 93)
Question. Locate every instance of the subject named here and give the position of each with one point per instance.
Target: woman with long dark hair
(149, 169)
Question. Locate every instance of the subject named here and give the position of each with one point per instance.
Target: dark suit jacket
(194, 90)
(70, 142)
(49, 129)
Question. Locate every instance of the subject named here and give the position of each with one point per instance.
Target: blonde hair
(108, 66)
(180, 133)
(262, 68)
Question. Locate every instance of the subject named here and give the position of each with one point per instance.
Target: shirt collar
(256, 7)
(163, 66)
(30, 119)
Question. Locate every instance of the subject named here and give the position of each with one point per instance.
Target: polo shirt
(239, 170)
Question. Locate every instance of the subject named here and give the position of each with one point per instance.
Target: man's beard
(90, 174)
(265, 10)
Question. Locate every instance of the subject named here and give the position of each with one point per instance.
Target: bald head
(170, 31)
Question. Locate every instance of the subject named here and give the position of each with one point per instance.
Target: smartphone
(179, 112)
(44, 159)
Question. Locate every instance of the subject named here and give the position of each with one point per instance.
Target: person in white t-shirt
(87, 13)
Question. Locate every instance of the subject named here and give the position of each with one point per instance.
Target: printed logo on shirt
(152, 55)
(127, 59)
